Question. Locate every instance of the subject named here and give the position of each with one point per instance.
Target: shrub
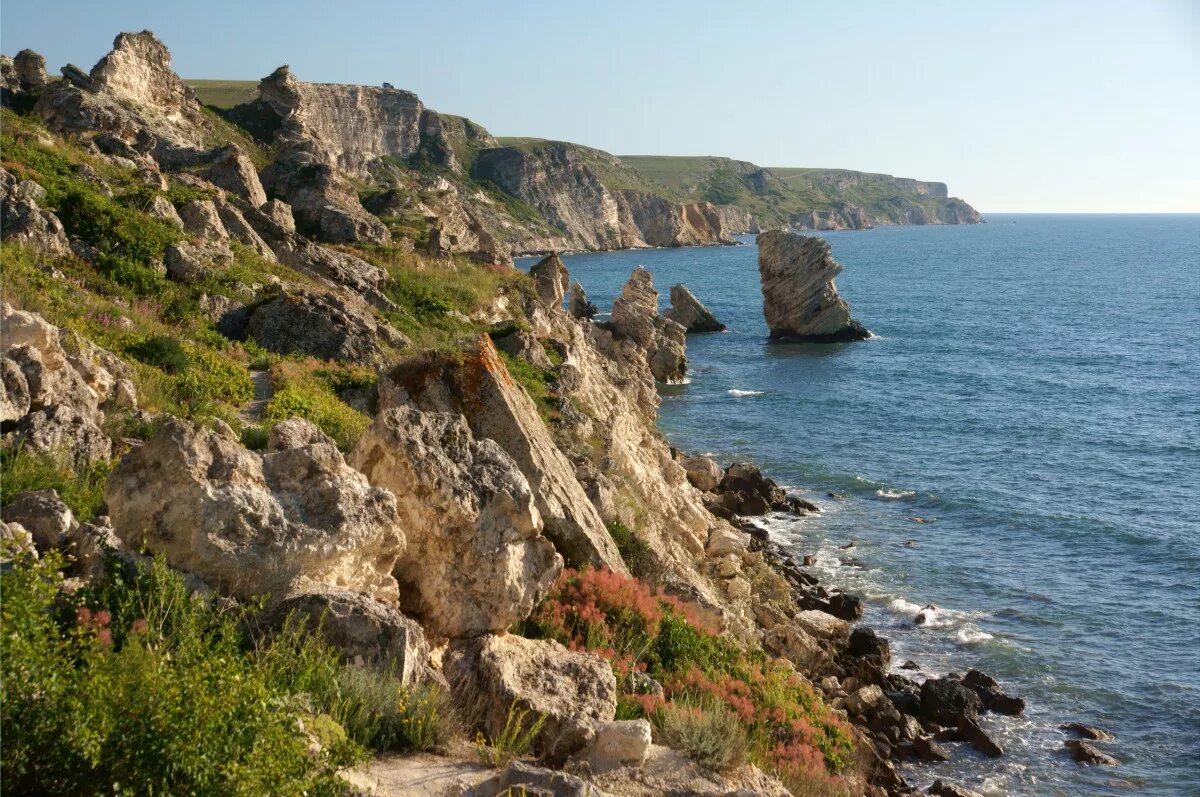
(302, 392)
(636, 553)
(80, 488)
(137, 684)
(707, 732)
(161, 351)
(380, 713)
(513, 741)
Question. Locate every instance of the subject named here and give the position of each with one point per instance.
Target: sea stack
(690, 313)
(800, 301)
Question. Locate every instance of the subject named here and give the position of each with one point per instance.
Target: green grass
(224, 94)
(80, 488)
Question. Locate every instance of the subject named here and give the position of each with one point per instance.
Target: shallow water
(1034, 391)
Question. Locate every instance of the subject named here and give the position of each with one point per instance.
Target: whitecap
(894, 495)
(739, 393)
(970, 635)
(687, 380)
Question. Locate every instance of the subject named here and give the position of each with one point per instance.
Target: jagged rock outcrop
(231, 168)
(289, 522)
(477, 385)
(688, 311)
(30, 69)
(575, 693)
(551, 279)
(54, 396)
(580, 306)
(476, 561)
(635, 317)
(23, 222)
(322, 326)
(800, 301)
(133, 96)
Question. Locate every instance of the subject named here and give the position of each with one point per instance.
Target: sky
(1086, 106)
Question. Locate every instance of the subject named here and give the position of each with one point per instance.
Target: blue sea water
(1033, 389)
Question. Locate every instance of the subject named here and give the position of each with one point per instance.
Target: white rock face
(479, 387)
(800, 301)
(476, 561)
(284, 523)
(575, 692)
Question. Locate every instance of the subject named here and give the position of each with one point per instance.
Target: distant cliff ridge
(496, 197)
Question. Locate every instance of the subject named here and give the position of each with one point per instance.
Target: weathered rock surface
(580, 306)
(622, 743)
(232, 169)
(993, 697)
(478, 386)
(946, 700)
(635, 318)
(368, 631)
(476, 561)
(1087, 731)
(1087, 753)
(43, 514)
(703, 473)
(23, 222)
(551, 278)
(288, 522)
(687, 311)
(800, 301)
(320, 325)
(576, 693)
(31, 70)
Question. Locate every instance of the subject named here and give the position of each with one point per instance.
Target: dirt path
(252, 412)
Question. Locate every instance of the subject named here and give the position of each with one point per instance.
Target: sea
(1018, 444)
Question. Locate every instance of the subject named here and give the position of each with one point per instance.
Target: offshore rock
(1086, 753)
(576, 693)
(635, 317)
(291, 521)
(476, 561)
(800, 301)
(478, 386)
(687, 311)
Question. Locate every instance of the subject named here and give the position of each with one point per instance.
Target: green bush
(161, 351)
(378, 712)
(513, 741)
(80, 488)
(636, 553)
(320, 405)
(136, 686)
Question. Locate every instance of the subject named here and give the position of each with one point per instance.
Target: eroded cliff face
(560, 182)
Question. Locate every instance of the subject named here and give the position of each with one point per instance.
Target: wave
(736, 393)
(894, 495)
(970, 635)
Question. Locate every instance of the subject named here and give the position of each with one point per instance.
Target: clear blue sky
(1018, 106)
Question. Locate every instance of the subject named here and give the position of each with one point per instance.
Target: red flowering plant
(643, 631)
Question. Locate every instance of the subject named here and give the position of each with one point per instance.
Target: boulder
(622, 743)
(60, 430)
(478, 386)
(993, 697)
(974, 734)
(725, 541)
(946, 700)
(43, 514)
(200, 218)
(476, 561)
(703, 473)
(551, 279)
(749, 492)
(800, 301)
(189, 263)
(1087, 731)
(492, 676)
(14, 539)
(232, 169)
(1086, 753)
(687, 311)
(926, 748)
(321, 325)
(941, 788)
(866, 700)
(162, 209)
(579, 305)
(367, 631)
(792, 641)
(23, 222)
(280, 524)
(635, 318)
(824, 626)
(848, 607)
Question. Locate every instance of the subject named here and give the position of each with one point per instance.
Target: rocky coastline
(227, 369)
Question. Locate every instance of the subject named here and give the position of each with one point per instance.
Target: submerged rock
(800, 301)
(687, 311)
(1087, 753)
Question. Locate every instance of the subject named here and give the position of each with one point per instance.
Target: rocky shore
(227, 368)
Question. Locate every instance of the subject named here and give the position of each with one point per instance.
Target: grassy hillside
(224, 93)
